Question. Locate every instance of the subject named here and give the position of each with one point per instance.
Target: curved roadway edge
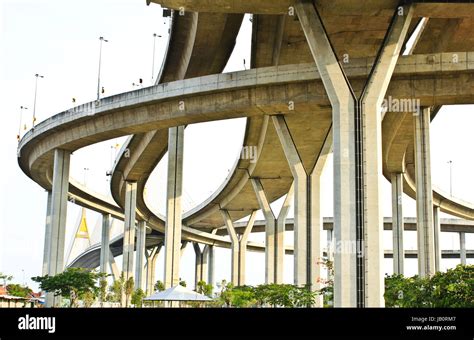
(253, 93)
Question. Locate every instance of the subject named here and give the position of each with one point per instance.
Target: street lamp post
(34, 103)
(21, 121)
(100, 61)
(153, 61)
(450, 178)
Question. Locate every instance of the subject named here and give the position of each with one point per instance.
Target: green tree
(182, 282)
(129, 284)
(88, 298)
(118, 289)
(18, 290)
(453, 288)
(5, 278)
(204, 288)
(137, 297)
(71, 283)
(102, 291)
(159, 286)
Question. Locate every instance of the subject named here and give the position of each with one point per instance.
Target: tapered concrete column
(47, 235)
(151, 258)
(239, 247)
(308, 220)
(105, 244)
(342, 102)
(173, 206)
(330, 250)
(210, 266)
(205, 263)
(129, 229)
(424, 194)
(280, 235)
(371, 105)
(59, 196)
(330, 245)
(316, 227)
(437, 238)
(140, 255)
(198, 269)
(274, 233)
(114, 269)
(357, 168)
(301, 207)
(462, 247)
(397, 223)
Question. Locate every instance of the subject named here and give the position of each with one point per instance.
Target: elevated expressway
(278, 76)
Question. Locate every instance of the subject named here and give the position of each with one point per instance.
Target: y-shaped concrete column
(357, 169)
(424, 194)
(129, 229)
(173, 206)
(105, 244)
(397, 223)
(239, 247)
(316, 229)
(462, 247)
(342, 102)
(274, 233)
(199, 265)
(205, 263)
(302, 208)
(151, 258)
(308, 220)
(47, 235)
(437, 238)
(140, 255)
(59, 196)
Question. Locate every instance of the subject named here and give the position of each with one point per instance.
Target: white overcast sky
(59, 39)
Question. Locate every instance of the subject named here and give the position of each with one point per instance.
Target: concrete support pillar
(330, 250)
(140, 255)
(462, 247)
(183, 248)
(301, 207)
(330, 245)
(47, 235)
(371, 108)
(129, 229)
(173, 206)
(151, 258)
(316, 226)
(308, 219)
(210, 266)
(59, 196)
(280, 236)
(105, 244)
(424, 194)
(357, 169)
(205, 263)
(342, 101)
(199, 264)
(437, 238)
(113, 266)
(274, 233)
(397, 223)
(239, 247)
